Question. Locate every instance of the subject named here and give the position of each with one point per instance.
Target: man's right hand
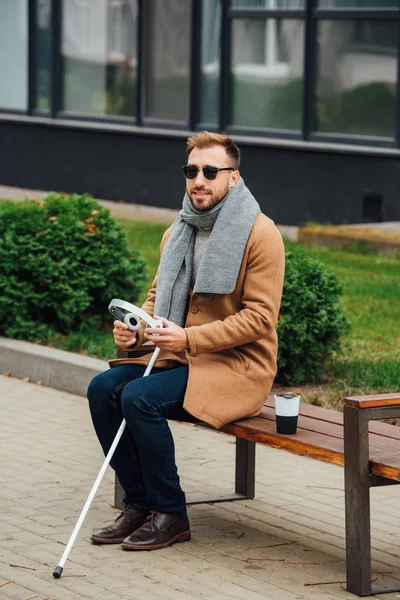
(123, 337)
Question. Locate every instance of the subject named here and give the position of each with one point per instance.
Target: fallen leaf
(324, 583)
(6, 583)
(39, 383)
(22, 567)
(275, 545)
(302, 563)
(7, 374)
(271, 559)
(26, 379)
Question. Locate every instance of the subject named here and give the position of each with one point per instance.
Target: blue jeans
(144, 459)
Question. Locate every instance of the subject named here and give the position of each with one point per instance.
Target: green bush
(311, 319)
(62, 260)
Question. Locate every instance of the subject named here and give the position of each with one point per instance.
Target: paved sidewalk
(124, 210)
(287, 544)
(119, 209)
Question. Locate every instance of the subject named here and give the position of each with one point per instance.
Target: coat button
(194, 309)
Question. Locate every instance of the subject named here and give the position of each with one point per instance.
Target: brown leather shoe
(159, 531)
(126, 523)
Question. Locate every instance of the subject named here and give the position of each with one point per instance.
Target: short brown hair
(205, 139)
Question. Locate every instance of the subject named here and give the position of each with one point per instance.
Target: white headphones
(132, 316)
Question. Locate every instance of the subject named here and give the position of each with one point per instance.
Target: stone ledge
(57, 369)
(345, 237)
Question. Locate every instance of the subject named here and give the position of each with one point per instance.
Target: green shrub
(62, 260)
(311, 319)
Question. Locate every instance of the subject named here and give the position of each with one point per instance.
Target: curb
(385, 243)
(66, 371)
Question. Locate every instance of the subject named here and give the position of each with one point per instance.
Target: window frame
(310, 14)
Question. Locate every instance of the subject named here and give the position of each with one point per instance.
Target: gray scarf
(231, 221)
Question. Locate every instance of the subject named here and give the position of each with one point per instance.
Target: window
(329, 4)
(269, 4)
(43, 55)
(167, 60)
(99, 47)
(267, 73)
(14, 53)
(210, 62)
(356, 77)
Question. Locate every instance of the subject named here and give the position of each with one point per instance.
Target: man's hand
(124, 338)
(172, 337)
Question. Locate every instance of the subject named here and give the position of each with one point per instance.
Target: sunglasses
(190, 172)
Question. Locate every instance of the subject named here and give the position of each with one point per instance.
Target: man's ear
(234, 178)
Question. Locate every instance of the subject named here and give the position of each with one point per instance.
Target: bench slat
(385, 464)
(334, 416)
(373, 400)
(336, 430)
(307, 443)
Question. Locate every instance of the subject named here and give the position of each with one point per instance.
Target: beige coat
(232, 338)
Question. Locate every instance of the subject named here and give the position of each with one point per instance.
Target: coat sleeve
(262, 292)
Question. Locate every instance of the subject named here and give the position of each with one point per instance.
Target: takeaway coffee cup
(286, 412)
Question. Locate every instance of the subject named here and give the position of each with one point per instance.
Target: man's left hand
(172, 337)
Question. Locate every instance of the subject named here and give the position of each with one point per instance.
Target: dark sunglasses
(190, 172)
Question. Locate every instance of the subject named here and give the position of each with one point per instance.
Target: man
(217, 290)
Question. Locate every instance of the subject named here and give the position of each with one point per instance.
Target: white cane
(59, 569)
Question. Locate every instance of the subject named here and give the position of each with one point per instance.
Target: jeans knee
(133, 399)
(99, 390)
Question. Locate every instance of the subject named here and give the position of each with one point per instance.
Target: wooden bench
(370, 452)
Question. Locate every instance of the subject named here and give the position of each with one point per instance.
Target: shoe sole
(185, 536)
(99, 540)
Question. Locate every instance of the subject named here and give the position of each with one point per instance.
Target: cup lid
(287, 396)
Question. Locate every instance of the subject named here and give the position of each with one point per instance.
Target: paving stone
(51, 457)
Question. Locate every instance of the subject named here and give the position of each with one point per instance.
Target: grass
(370, 358)
(145, 237)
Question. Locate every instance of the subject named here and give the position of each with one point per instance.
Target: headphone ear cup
(132, 321)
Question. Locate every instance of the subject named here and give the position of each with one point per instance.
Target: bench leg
(357, 502)
(244, 477)
(245, 467)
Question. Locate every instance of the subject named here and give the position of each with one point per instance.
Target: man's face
(205, 193)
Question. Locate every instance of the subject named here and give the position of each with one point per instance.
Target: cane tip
(57, 572)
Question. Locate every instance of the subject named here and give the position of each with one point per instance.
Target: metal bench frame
(358, 482)
(245, 465)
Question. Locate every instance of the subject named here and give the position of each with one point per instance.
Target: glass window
(168, 60)
(271, 4)
(329, 4)
(210, 62)
(14, 53)
(356, 77)
(267, 73)
(43, 55)
(99, 47)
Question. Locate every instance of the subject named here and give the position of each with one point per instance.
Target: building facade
(99, 96)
